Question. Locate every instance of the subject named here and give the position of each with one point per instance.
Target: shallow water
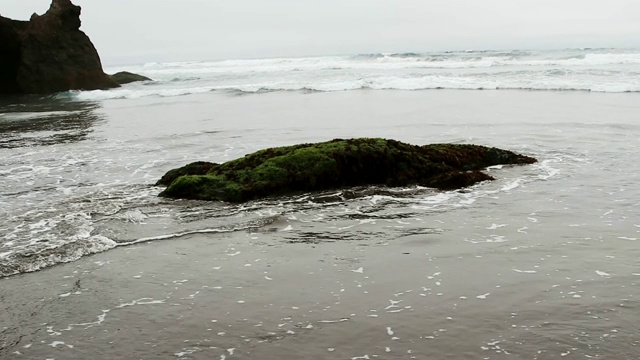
(541, 263)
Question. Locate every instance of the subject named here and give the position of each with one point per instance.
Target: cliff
(49, 53)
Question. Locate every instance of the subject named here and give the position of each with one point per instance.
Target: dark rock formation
(49, 53)
(336, 164)
(125, 77)
(196, 168)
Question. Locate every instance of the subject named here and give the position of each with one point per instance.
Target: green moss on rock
(336, 164)
(195, 168)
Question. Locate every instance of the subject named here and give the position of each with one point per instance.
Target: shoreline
(536, 264)
(247, 295)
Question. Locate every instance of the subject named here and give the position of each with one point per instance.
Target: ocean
(541, 263)
(599, 70)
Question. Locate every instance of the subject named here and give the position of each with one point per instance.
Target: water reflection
(27, 121)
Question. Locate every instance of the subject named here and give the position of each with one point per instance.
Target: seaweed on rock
(336, 164)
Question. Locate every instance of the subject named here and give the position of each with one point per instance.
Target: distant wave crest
(598, 70)
(355, 85)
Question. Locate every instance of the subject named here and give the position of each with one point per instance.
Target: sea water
(600, 70)
(78, 169)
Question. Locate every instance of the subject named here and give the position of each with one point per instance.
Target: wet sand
(254, 295)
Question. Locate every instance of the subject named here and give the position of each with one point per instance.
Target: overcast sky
(134, 31)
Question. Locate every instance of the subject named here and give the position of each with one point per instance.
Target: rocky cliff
(49, 53)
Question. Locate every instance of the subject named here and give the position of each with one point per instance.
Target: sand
(253, 295)
(533, 266)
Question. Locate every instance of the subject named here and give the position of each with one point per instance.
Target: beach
(450, 291)
(539, 264)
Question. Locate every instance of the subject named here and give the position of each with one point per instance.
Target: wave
(126, 93)
(393, 55)
(264, 90)
(21, 116)
(71, 229)
(13, 264)
(389, 84)
(597, 70)
(17, 263)
(380, 61)
(488, 60)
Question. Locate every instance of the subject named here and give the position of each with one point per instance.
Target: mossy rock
(195, 168)
(336, 164)
(125, 77)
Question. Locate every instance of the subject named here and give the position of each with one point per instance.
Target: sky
(137, 31)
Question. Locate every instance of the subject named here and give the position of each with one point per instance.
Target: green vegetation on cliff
(336, 164)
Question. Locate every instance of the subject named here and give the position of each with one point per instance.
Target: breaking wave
(597, 70)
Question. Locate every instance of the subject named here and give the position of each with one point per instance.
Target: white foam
(569, 70)
(333, 321)
(546, 166)
(185, 352)
(176, 235)
(36, 115)
(122, 93)
(87, 245)
(512, 185)
(525, 271)
(383, 61)
(142, 301)
(437, 198)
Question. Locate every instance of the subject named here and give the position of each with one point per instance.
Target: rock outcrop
(336, 164)
(125, 77)
(49, 53)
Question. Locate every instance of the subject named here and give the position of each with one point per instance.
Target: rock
(196, 168)
(125, 77)
(336, 164)
(49, 53)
